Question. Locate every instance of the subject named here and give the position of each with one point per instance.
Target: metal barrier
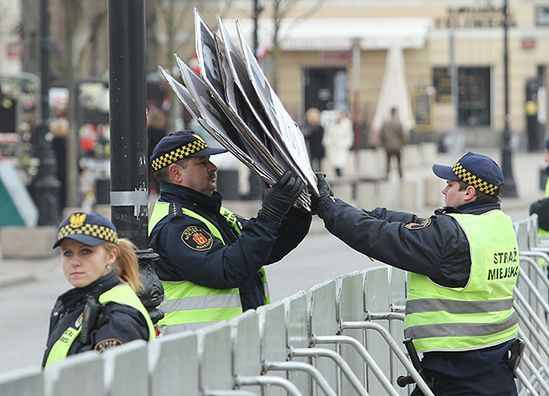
(173, 365)
(341, 337)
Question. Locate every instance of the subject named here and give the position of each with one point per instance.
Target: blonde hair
(312, 116)
(126, 265)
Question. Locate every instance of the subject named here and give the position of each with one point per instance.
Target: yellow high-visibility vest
(480, 314)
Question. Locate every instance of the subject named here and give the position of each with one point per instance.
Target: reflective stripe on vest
(188, 303)
(121, 294)
(480, 314)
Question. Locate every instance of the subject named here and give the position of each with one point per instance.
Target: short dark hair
(482, 197)
(163, 175)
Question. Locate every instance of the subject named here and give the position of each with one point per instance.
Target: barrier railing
(341, 337)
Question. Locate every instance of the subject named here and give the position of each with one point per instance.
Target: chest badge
(197, 238)
(107, 344)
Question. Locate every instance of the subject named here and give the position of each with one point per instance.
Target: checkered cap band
(178, 154)
(97, 231)
(475, 181)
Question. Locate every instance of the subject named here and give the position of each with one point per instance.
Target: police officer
(541, 206)
(102, 310)
(211, 261)
(463, 264)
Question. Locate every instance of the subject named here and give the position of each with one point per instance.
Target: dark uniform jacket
(117, 324)
(436, 247)
(210, 263)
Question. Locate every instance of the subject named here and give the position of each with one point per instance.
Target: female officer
(102, 310)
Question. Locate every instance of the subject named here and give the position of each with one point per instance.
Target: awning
(339, 34)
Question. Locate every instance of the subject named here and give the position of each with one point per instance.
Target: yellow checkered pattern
(105, 233)
(475, 181)
(178, 154)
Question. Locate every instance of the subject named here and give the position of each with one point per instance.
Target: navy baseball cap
(477, 170)
(547, 144)
(91, 229)
(180, 145)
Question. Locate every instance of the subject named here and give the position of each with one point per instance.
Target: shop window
(474, 100)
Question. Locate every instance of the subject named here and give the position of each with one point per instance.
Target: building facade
(336, 55)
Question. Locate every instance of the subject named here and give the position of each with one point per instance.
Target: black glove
(324, 189)
(280, 197)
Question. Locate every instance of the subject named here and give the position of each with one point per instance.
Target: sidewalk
(525, 171)
(16, 272)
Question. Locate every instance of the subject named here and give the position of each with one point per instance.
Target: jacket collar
(96, 288)
(190, 198)
(476, 207)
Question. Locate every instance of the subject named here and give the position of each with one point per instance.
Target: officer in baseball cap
(462, 263)
(206, 251)
(102, 310)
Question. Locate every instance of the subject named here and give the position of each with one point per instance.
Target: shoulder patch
(418, 226)
(197, 238)
(107, 344)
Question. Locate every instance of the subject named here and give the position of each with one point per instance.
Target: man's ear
(175, 172)
(470, 193)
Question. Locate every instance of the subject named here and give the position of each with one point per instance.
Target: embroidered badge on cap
(418, 226)
(107, 344)
(77, 220)
(197, 238)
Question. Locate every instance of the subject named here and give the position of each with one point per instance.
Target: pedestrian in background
(103, 309)
(392, 139)
(211, 261)
(462, 265)
(338, 139)
(314, 133)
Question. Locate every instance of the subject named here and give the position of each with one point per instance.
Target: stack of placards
(233, 101)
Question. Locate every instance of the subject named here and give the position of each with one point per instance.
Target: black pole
(256, 12)
(127, 88)
(129, 162)
(506, 151)
(45, 187)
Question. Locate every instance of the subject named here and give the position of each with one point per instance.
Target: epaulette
(175, 210)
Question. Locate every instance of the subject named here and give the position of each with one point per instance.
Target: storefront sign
(335, 58)
(528, 43)
(473, 17)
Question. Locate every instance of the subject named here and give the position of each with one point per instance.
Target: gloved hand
(280, 197)
(324, 189)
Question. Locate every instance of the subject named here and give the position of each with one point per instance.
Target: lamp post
(129, 162)
(256, 11)
(506, 152)
(45, 187)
